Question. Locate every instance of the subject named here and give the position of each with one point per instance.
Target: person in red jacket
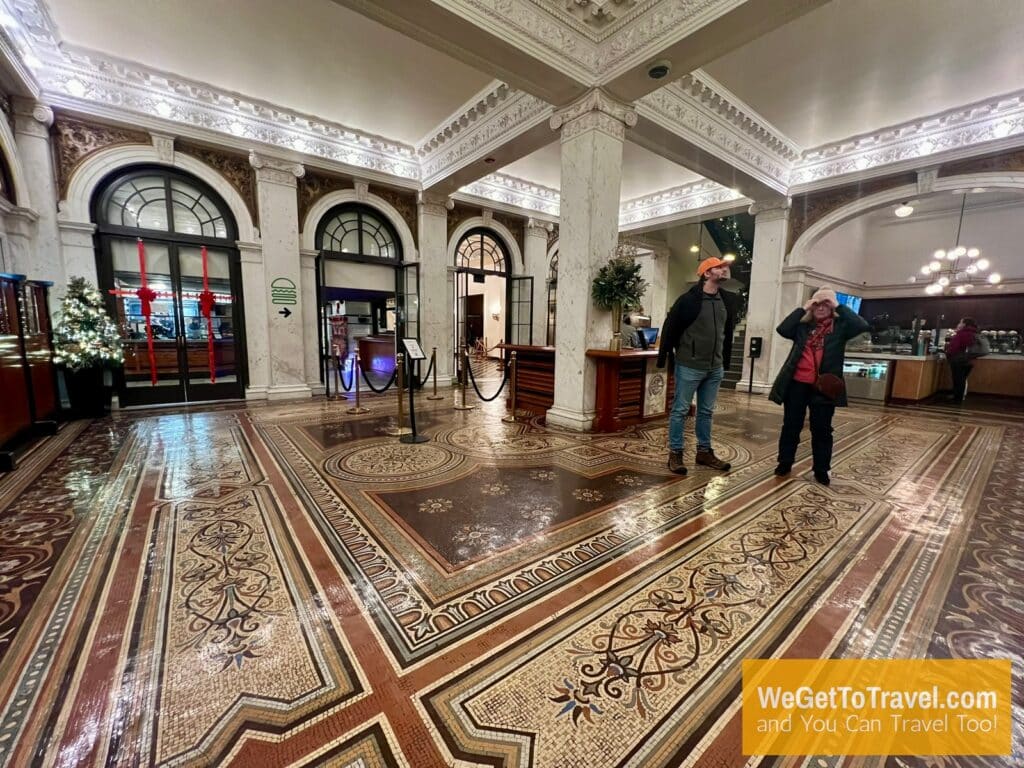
(956, 352)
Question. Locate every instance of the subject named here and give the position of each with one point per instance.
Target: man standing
(698, 334)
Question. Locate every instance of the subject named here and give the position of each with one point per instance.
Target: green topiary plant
(618, 284)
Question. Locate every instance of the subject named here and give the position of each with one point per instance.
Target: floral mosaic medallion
(391, 461)
(502, 441)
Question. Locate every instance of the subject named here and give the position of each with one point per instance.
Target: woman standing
(957, 353)
(812, 376)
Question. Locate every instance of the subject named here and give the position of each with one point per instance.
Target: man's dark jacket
(682, 315)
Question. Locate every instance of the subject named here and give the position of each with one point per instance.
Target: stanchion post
(465, 379)
(433, 367)
(356, 372)
(511, 418)
(400, 382)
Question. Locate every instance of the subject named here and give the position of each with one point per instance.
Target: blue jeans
(705, 384)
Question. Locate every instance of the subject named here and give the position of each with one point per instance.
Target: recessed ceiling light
(729, 257)
(903, 210)
(489, 160)
(694, 249)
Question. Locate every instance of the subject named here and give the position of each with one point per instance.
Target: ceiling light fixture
(729, 257)
(489, 160)
(955, 270)
(694, 248)
(903, 210)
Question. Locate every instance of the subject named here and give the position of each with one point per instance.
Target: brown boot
(675, 462)
(708, 459)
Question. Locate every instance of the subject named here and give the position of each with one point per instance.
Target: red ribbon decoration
(147, 295)
(206, 302)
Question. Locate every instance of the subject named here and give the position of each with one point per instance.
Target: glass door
(408, 291)
(210, 349)
(520, 316)
(150, 375)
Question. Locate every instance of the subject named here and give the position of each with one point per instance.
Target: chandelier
(958, 269)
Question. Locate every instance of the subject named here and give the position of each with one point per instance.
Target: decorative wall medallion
(76, 140)
(656, 385)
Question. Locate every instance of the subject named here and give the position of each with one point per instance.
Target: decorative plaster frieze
(958, 131)
(669, 202)
(490, 126)
(598, 13)
(272, 170)
(476, 108)
(518, 193)
(692, 109)
(592, 101)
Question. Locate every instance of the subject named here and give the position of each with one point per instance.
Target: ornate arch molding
(74, 208)
(552, 248)
(803, 247)
(320, 208)
(499, 229)
(20, 195)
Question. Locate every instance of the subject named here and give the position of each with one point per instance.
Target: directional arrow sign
(285, 311)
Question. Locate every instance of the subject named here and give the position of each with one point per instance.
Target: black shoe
(823, 478)
(675, 462)
(708, 459)
(783, 469)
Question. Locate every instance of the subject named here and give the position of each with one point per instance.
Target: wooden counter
(535, 377)
(915, 379)
(377, 353)
(992, 375)
(630, 388)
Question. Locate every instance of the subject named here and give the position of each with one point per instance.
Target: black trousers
(960, 370)
(799, 398)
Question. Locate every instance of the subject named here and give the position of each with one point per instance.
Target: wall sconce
(495, 311)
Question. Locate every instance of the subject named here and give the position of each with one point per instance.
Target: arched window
(552, 297)
(164, 202)
(479, 250)
(358, 233)
(185, 349)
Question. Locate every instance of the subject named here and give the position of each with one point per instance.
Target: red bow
(147, 296)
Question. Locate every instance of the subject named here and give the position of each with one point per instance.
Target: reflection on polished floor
(288, 585)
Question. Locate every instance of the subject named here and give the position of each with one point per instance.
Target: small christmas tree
(85, 336)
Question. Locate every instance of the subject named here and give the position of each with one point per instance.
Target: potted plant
(86, 343)
(619, 288)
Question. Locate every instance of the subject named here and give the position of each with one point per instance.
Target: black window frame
(362, 258)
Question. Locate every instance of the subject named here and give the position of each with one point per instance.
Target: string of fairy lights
(85, 337)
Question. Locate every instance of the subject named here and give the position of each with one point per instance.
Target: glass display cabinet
(867, 379)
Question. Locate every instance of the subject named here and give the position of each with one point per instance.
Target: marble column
(436, 307)
(255, 298)
(535, 256)
(771, 228)
(279, 227)
(310, 304)
(593, 130)
(654, 269)
(32, 122)
(78, 254)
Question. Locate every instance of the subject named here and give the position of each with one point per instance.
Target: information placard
(412, 349)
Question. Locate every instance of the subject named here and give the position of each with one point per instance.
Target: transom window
(480, 250)
(358, 232)
(165, 203)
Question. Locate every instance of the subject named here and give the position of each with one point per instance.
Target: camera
(659, 69)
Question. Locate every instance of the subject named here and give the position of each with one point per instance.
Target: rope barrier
(472, 379)
(423, 379)
(351, 377)
(383, 389)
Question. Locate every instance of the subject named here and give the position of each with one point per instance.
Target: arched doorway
(168, 231)
(367, 291)
(552, 297)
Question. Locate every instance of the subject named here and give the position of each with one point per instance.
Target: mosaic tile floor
(289, 585)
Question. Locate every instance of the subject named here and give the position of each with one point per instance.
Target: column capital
(770, 210)
(273, 170)
(32, 117)
(538, 228)
(594, 110)
(430, 204)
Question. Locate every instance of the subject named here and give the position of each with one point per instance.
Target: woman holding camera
(812, 377)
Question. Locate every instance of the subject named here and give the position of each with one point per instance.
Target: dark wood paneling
(15, 415)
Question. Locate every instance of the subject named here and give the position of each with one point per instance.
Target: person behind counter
(957, 353)
(812, 377)
(631, 337)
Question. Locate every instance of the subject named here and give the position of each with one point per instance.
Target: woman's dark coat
(798, 327)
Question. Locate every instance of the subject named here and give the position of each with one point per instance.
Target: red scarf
(807, 369)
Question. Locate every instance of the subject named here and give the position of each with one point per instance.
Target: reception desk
(630, 388)
(377, 353)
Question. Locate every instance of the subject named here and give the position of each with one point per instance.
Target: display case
(867, 379)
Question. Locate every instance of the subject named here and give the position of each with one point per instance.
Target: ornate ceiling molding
(987, 126)
(477, 131)
(724, 127)
(593, 103)
(671, 202)
(508, 190)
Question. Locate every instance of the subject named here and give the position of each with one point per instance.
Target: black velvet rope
(472, 379)
(426, 376)
(351, 377)
(383, 389)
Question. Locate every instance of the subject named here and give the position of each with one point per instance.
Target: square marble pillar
(310, 304)
(592, 134)
(771, 226)
(436, 303)
(32, 122)
(535, 256)
(279, 217)
(255, 300)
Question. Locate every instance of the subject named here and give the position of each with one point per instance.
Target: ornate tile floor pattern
(288, 585)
